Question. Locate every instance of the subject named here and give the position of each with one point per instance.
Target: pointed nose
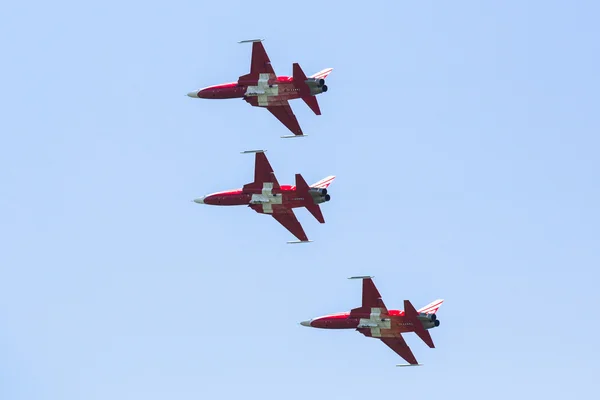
(305, 323)
(200, 200)
(193, 94)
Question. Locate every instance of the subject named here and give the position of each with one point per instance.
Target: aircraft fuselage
(373, 325)
(280, 89)
(263, 200)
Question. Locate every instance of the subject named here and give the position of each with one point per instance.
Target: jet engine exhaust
(427, 317)
(321, 192)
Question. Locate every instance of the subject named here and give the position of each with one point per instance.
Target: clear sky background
(465, 140)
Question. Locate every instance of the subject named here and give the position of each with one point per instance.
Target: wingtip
(253, 151)
(292, 136)
(251, 40)
(362, 277)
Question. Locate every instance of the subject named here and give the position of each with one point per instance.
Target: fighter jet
(262, 88)
(266, 196)
(373, 319)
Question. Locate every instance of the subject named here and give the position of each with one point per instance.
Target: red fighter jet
(262, 88)
(266, 196)
(374, 320)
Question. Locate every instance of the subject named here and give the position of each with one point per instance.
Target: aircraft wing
(260, 63)
(286, 116)
(287, 218)
(401, 348)
(370, 299)
(263, 173)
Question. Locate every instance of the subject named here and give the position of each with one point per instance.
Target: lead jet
(263, 88)
(373, 319)
(266, 196)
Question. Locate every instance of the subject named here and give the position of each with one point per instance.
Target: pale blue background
(465, 140)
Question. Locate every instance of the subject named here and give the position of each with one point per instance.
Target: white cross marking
(375, 323)
(262, 90)
(266, 198)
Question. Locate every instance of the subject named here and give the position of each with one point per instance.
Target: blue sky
(465, 140)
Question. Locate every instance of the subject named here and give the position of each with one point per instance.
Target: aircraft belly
(377, 327)
(259, 199)
(263, 90)
(264, 95)
(266, 199)
(263, 101)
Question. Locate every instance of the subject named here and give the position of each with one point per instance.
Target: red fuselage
(344, 321)
(286, 196)
(285, 85)
(389, 326)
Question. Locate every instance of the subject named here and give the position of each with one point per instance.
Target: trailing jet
(373, 319)
(262, 88)
(266, 196)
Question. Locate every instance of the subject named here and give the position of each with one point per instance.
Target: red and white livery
(266, 196)
(373, 319)
(262, 88)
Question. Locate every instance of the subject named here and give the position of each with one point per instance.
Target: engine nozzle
(427, 317)
(316, 86)
(321, 192)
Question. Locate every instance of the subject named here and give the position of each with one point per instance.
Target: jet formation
(261, 87)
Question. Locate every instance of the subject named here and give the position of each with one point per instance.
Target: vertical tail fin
(412, 314)
(302, 188)
(432, 307)
(300, 83)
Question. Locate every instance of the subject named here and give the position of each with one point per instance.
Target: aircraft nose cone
(193, 94)
(305, 323)
(200, 200)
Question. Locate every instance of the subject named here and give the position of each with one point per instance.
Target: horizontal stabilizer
(302, 189)
(300, 83)
(312, 103)
(252, 151)
(411, 313)
(300, 79)
(251, 40)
